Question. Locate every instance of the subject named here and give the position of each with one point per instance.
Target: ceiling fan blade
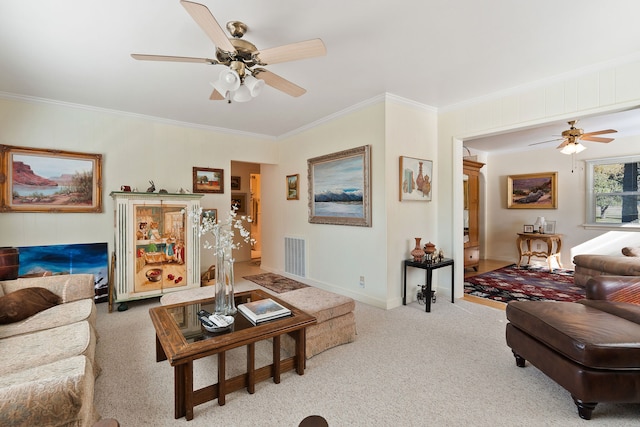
(546, 142)
(216, 96)
(143, 57)
(277, 82)
(292, 52)
(565, 142)
(595, 138)
(205, 19)
(600, 132)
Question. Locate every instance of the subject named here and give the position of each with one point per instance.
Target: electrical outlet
(362, 281)
(538, 246)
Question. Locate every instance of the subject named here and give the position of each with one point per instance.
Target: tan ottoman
(334, 314)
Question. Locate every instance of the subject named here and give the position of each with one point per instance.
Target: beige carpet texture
(450, 367)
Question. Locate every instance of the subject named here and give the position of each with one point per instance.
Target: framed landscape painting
(292, 187)
(340, 188)
(39, 180)
(533, 191)
(207, 180)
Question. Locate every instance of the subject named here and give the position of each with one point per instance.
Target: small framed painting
(235, 183)
(416, 179)
(533, 191)
(207, 180)
(528, 228)
(239, 203)
(210, 215)
(292, 187)
(39, 180)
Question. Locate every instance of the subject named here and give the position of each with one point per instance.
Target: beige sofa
(48, 366)
(590, 265)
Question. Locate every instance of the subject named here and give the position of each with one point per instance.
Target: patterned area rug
(527, 283)
(275, 282)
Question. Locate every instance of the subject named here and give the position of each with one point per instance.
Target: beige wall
(135, 150)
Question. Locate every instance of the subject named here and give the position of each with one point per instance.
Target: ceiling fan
(571, 138)
(245, 76)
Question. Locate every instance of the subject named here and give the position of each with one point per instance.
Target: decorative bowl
(154, 274)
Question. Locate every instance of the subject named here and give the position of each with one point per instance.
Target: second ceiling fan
(245, 75)
(571, 138)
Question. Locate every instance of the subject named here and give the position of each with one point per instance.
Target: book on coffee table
(262, 310)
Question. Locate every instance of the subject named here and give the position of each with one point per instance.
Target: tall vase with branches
(223, 243)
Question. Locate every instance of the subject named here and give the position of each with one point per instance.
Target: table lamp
(540, 224)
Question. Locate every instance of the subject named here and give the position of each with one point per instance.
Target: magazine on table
(262, 310)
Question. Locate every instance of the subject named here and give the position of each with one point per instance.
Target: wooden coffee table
(181, 339)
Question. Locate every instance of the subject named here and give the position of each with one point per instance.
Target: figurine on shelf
(151, 189)
(440, 255)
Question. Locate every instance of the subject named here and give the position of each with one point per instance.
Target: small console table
(429, 267)
(553, 242)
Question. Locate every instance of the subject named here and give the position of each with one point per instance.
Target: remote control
(204, 318)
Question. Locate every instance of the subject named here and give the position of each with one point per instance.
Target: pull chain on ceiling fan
(245, 76)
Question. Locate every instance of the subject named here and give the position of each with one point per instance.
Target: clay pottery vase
(429, 248)
(417, 253)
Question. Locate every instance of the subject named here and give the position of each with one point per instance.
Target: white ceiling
(433, 52)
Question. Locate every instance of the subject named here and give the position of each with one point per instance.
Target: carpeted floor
(275, 282)
(524, 284)
(450, 367)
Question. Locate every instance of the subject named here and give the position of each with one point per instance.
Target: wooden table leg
(160, 355)
(188, 390)
(222, 380)
(251, 368)
(276, 359)
(179, 391)
(301, 344)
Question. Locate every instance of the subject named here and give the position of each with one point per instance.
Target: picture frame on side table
(528, 228)
(550, 227)
(340, 187)
(208, 180)
(293, 187)
(533, 191)
(40, 180)
(416, 179)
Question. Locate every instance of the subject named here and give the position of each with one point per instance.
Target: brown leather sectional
(591, 348)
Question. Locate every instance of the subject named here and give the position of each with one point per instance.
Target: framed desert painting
(533, 191)
(207, 180)
(340, 188)
(39, 180)
(292, 187)
(416, 179)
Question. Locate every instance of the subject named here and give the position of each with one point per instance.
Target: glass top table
(181, 339)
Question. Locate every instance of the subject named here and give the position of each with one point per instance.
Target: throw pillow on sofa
(23, 303)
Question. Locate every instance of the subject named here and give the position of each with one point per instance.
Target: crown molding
(36, 100)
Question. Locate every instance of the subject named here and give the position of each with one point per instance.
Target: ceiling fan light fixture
(242, 94)
(255, 85)
(573, 148)
(229, 80)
